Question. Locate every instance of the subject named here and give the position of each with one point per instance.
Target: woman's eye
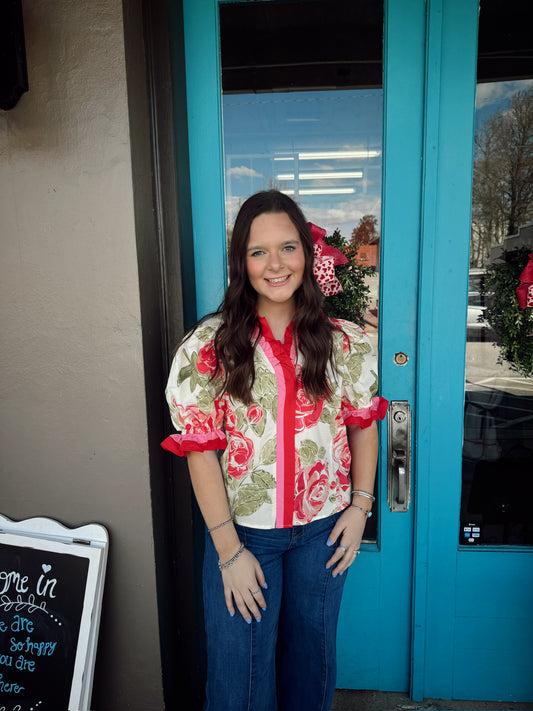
(289, 248)
(257, 253)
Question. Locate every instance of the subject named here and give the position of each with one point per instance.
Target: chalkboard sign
(51, 585)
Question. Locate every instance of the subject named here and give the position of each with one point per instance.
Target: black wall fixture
(13, 72)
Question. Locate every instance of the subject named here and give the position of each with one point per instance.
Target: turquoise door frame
(405, 618)
(451, 53)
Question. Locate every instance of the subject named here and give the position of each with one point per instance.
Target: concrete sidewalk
(348, 700)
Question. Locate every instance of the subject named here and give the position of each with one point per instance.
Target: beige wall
(72, 405)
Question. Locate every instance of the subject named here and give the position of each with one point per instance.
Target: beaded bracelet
(229, 562)
(368, 514)
(219, 525)
(363, 493)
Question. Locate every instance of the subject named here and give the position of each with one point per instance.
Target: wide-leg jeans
(287, 661)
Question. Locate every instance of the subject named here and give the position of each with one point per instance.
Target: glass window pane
(306, 119)
(498, 426)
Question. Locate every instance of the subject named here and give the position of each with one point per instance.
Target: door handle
(399, 456)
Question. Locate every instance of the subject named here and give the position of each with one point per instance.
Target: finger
(229, 601)
(260, 576)
(253, 604)
(335, 533)
(346, 561)
(338, 555)
(248, 608)
(258, 598)
(243, 609)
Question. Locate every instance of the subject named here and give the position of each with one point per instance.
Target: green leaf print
(269, 403)
(249, 499)
(268, 453)
(266, 389)
(205, 334)
(308, 452)
(259, 427)
(263, 479)
(194, 374)
(355, 359)
(374, 386)
(184, 373)
(205, 401)
(328, 416)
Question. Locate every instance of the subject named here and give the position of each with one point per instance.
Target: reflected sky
(324, 148)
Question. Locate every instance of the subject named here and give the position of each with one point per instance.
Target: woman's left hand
(346, 536)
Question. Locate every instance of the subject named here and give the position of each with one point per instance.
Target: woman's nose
(274, 260)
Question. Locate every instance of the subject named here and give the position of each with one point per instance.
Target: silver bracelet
(229, 562)
(364, 493)
(368, 514)
(219, 525)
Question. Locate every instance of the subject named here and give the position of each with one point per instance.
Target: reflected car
(477, 327)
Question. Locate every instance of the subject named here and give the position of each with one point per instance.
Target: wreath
(354, 299)
(511, 323)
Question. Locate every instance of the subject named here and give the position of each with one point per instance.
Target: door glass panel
(302, 113)
(498, 426)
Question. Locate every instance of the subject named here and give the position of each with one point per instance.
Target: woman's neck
(278, 316)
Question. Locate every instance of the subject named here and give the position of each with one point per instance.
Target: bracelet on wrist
(357, 492)
(232, 560)
(368, 514)
(224, 523)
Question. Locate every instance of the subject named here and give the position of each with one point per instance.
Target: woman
(288, 394)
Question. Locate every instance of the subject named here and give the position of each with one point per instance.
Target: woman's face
(275, 259)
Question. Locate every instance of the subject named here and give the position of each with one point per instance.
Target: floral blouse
(285, 460)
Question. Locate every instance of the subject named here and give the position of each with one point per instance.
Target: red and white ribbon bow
(326, 259)
(524, 292)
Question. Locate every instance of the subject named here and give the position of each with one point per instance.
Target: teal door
(423, 612)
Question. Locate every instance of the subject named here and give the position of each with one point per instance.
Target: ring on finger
(343, 548)
(254, 592)
(356, 551)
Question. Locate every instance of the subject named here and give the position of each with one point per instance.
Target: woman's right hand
(243, 587)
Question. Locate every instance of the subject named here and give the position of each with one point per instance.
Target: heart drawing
(46, 568)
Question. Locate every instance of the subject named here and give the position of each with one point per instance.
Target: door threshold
(359, 700)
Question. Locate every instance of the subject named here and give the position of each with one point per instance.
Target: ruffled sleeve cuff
(364, 418)
(180, 444)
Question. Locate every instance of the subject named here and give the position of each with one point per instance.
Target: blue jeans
(286, 662)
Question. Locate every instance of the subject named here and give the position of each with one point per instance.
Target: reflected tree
(502, 194)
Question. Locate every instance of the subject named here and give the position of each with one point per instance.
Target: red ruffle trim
(181, 444)
(364, 418)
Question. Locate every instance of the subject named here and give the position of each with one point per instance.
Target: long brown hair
(234, 345)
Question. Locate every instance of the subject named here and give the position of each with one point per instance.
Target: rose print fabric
(285, 460)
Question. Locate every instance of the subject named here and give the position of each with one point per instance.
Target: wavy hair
(234, 340)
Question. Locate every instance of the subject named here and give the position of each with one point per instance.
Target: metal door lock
(399, 456)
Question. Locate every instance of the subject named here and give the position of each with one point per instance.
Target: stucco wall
(72, 403)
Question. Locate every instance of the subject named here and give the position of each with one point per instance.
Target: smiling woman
(290, 400)
(275, 263)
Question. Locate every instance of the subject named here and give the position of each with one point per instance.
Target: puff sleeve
(195, 408)
(360, 403)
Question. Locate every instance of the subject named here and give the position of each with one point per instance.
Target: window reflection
(324, 149)
(498, 424)
(305, 117)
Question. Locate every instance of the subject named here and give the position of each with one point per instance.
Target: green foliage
(352, 303)
(512, 325)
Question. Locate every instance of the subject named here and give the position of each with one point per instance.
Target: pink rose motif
(195, 421)
(240, 452)
(255, 414)
(207, 361)
(231, 418)
(342, 458)
(312, 491)
(307, 413)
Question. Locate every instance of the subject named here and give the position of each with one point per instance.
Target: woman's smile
(279, 281)
(275, 259)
